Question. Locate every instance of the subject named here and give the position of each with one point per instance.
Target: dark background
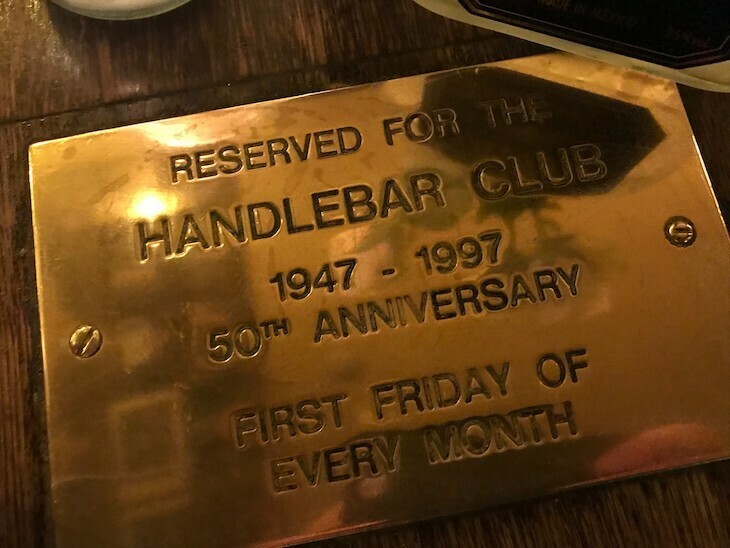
(62, 74)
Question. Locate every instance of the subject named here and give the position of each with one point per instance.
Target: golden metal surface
(288, 320)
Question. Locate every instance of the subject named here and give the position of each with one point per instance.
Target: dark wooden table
(63, 74)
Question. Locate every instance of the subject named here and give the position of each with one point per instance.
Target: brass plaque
(288, 320)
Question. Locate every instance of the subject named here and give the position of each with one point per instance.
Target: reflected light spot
(190, 134)
(173, 134)
(151, 205)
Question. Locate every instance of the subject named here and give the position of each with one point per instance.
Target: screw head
(680, 231)
(85, 341)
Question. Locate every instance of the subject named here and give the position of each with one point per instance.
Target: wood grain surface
(63, 74)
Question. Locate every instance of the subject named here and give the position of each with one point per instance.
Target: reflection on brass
(378, 304)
